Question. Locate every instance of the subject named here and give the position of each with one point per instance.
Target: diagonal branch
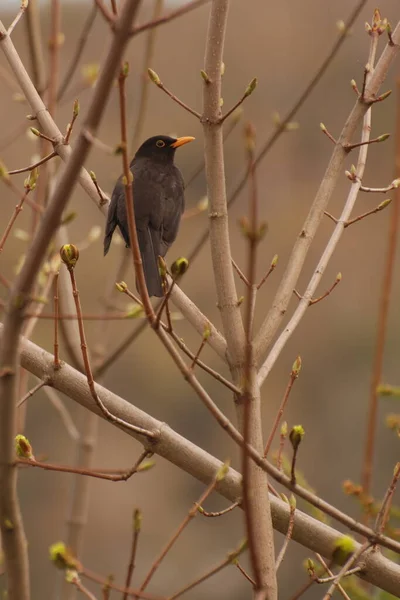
(328, 184)
(191, 459)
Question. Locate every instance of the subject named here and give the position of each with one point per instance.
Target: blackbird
(158, 198)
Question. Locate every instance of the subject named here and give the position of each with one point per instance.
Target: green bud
(322, 127)
(384, 204)
(68, 218)
(385, 389)
(63, 558)
(274, 261)
(71, 576)
(344, 546)
(75, 110)
(179, 266)
(296, 435)
(383, 137)
(205, 76)
(296, 367)
(284, 429)
(135, 312)
(93, 175)
(207, 331)
(69, 255)
(222, 69)
(146, 465)
(154, 77)
(121, 286)
(35, 131)
(384, 96)
(251, 87)
(222, 471)
(30, 182)
(23, 447)
(3, 172)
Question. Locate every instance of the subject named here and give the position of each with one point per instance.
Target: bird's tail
(149, 249)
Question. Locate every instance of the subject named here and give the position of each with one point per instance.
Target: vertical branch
(255, 484)
(215, 174)
(257, 508)
(386, 287)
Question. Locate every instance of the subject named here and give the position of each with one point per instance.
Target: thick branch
(190, 458)
(216, 191)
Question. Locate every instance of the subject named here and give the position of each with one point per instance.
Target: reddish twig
(293, 376)
(57, 363)
(137, 521)
(34, 165)
(86, 472)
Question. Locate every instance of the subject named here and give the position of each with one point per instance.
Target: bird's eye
(160, 144)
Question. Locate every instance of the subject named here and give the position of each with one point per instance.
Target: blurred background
(282, 44)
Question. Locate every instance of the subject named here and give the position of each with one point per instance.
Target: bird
(158, 199)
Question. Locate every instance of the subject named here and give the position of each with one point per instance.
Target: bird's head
(161, 148)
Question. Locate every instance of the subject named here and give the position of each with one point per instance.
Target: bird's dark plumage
(158, 198)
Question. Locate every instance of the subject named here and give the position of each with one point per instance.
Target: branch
(14, 542)
(45, 120)
(216, 191)
(328, 184)
(282, 127)
(193, 460)
(169, 17)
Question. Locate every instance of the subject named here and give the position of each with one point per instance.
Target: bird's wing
(111, 222)
(175, 204)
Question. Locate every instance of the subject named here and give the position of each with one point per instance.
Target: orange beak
(182, 140)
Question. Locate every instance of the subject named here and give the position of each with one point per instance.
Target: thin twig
(348, 564)
(155, 79)
(288, 536)
(169, 17)
(230, 559)
(31, 392)
(86, 472)
(57, 363)
(253, 583)
(88, 368)
(219, 513)
(137, 519)
(293, 376)
(23, 7)
(34, 165)
(384, 513)
(191, 515)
